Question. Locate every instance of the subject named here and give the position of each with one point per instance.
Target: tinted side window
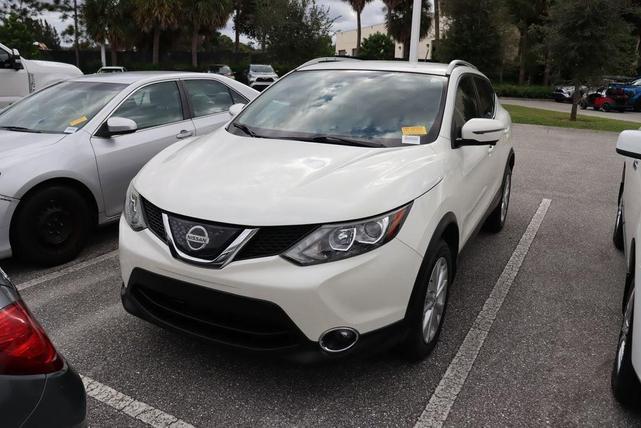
(208, 97)
(465, 106)
(4, 59)
(238, 99)
(486, 98)
(153, 105)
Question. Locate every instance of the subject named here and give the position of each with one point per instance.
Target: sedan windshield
(368, 108)
(62, 108)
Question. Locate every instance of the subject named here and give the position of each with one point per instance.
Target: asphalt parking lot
(544, 360)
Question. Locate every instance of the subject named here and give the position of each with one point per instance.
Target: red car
(606, 99)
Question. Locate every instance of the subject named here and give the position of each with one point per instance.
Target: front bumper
(7, 207)
(366, 292)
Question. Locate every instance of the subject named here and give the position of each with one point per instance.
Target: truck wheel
(426, 309)
(624, 380)
(51, 226)
(496, 220)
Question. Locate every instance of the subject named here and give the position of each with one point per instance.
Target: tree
(108, 20)
(204, 15)
(17, 35)
(358, 6)
(525, 14)
(590, 38)
(399, 23)
(156, 16)
(473, 34)
(377, 46)
(243, 15)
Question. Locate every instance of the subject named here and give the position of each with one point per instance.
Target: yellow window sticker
(414, 130)
(78, 121)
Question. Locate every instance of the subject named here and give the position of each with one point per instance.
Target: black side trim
(629, 154)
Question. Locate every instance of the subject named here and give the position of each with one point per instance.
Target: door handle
(635, 164)
(490, 149)
(184, 134)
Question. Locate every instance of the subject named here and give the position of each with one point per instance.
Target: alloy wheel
(435, 299)
(505, 199)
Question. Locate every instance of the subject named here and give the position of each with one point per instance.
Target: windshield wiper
(341, 141)
(246, 129)
(20, 129)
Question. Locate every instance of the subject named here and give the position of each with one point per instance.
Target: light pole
(416, 30)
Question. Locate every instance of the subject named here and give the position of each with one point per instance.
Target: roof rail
(327, 59)
(458, 63)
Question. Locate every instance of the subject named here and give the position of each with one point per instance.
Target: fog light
(338, 339)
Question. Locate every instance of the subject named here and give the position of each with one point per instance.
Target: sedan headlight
(133, 210)
(339, 241)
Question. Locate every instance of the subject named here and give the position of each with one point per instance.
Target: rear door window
(208, 97)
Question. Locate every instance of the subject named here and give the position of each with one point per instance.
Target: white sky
(339, 9)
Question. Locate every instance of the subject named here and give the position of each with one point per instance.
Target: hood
(16, 145)
(262, 182)
(53, 67)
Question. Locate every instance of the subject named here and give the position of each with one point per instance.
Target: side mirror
(120, 126)
(629, 144)
(16, 60)
(481, 132)
(235, 109)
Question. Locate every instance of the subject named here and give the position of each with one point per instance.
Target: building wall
(346, 41)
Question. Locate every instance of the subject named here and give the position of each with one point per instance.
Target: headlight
(133, 210)
(339, 241)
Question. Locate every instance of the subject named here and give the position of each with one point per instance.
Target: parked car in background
(222, 69)
(565, 93)
(68, 152)
(38, 387)
(259, 76)
(20, 77)
(626, 370)
(605, 98)
(633, 91)
(111, 69)
(327, 217)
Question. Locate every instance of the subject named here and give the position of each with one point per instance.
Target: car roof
(404, 66)
(130, 77)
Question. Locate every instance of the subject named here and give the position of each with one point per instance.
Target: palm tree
(399, 23)
(156, 16)
(358, 6)
(107, 20)
(201, 15)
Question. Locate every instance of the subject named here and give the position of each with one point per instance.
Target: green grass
(536, 116)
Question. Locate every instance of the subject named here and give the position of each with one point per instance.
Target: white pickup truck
(20, 77)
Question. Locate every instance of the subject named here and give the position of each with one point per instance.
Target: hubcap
(625, 327)
(54, 223)
(435, 299)
(505, 199)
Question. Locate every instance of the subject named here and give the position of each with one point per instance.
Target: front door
(158, 112)
(14, 84)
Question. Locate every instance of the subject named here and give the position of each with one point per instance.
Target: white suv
(327, 216)
(627, 229)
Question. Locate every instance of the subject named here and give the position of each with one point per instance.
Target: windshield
(261, 68)
(377, 108)
(62, 108)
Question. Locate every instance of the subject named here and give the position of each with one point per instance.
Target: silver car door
(210, 101)
(158, 112)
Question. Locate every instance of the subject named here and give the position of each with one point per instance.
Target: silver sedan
(68, 152)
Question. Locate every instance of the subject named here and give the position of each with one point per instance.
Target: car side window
(208, 97)
(5, 59)
(486, 97)
(465, 105)
(154, 105)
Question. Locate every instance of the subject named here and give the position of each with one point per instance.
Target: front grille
(154, 219)
(200, 239)
(264, 79)
(268, 241)
(273, 240)
(214, 315)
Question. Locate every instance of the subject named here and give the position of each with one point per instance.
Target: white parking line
(438, 408)
(130, 407)
(66, 271)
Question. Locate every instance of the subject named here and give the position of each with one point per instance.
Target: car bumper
(368, 293)
(7, 207)
(53, 400)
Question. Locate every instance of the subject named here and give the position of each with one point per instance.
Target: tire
(51, 226)
(496, 220)
(583, 105)
(606, 108)
(624, 380)
(426, 310)
(617, 234)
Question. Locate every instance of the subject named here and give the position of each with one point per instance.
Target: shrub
(523, 91)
